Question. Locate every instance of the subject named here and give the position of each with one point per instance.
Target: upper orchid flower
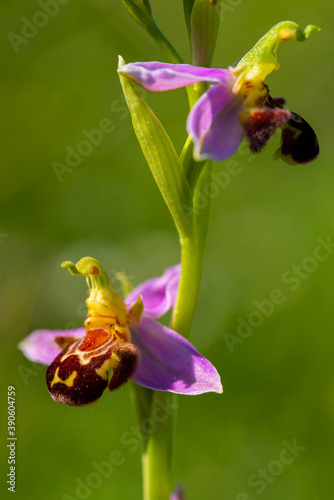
(238, 102)
(120, 337)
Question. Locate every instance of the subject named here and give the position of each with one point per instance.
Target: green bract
(160, 155)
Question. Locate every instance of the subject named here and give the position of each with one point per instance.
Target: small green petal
(136, 310)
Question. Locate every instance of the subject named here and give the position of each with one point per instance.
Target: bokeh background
(279, 380)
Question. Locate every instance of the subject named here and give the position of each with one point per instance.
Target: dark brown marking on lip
(79, 374)
(261, 124)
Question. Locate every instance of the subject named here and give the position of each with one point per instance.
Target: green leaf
(160, 154)
(141, 11)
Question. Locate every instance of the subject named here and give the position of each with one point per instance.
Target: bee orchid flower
(237, 104)
(120, 340)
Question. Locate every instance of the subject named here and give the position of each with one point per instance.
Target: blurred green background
(279, 381)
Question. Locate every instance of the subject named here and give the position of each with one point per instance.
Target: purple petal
(158, 294)
(40, 346)
(214, 125)
(157, 76)
(170, 363)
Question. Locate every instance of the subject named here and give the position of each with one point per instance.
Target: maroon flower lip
(299, 143)
(79, 374)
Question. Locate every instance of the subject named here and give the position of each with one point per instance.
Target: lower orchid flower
(120, 340)
(238, 102)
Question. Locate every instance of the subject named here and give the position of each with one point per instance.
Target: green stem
(158, 447)
(192, 257)
(156, 412)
